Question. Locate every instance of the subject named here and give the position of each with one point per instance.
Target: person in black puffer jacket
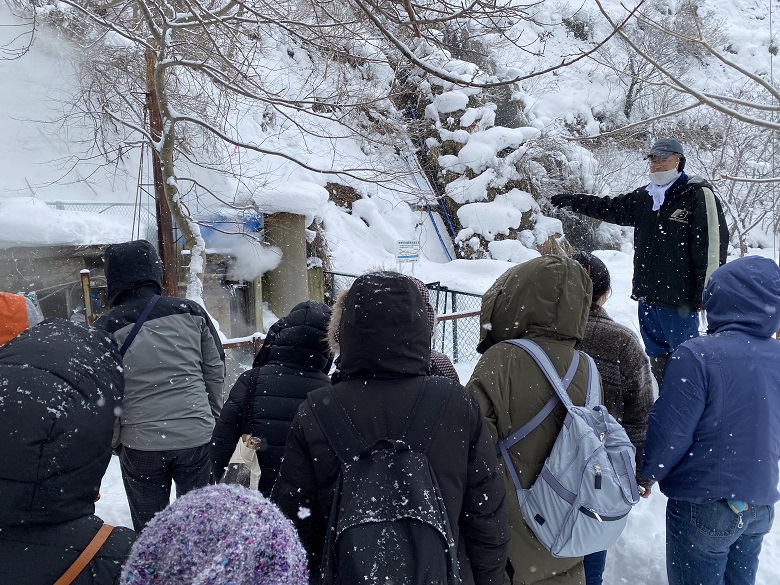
(293, 361)
(441, 365)
(385, 344)
(60, 388)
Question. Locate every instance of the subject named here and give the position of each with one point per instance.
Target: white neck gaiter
(659, 183)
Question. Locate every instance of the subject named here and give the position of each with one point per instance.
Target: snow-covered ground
(638, 557)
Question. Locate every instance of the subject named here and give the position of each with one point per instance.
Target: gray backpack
(580, 502)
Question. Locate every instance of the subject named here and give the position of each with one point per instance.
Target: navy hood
(744, 295)
(384, 330)
(131, 265)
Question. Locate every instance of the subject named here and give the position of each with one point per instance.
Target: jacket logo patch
(680, 215)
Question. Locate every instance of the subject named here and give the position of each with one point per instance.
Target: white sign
(408, 251)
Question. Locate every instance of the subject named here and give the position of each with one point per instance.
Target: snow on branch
(678, 84)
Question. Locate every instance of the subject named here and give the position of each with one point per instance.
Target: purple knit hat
(218, 535)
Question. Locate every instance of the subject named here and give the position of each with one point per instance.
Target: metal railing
(457, 329)
(239, 356)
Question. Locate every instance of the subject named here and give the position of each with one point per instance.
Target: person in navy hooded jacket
(713, 440)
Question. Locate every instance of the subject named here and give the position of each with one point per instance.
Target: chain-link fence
(335, 284)
(457, 332)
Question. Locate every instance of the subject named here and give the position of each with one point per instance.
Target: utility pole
(165, 242)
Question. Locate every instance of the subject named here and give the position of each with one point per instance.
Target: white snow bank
(470, 276)
(465, 190)
(511, 251)
(546, 227)
(301, 197)
(25, 221)
(489, 219)
(482, 147)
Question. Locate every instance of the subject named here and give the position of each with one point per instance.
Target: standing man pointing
(680, 239)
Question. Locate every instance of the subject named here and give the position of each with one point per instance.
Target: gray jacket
(174, 372)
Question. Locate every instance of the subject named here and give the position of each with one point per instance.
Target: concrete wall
(52, 271)
(288, 284)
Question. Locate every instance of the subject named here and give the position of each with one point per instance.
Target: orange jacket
(13, 316)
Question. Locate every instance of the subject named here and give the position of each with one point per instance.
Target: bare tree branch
(681, 86)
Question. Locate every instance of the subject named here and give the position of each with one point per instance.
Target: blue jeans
(708, 544)
(594, 564)
(664, 329)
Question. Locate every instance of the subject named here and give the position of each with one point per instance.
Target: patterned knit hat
(430, 312)
(221, 534)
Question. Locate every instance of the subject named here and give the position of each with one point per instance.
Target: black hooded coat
(60, 387)
(384, 341)
(293, 361)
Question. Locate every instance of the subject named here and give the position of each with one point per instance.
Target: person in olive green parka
(547, 300)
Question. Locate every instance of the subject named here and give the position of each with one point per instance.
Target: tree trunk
(189, 229)
(165, 243)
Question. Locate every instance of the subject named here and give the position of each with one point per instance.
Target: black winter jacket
(385, 353)
(293, 361)
(676, 248)
(60, 384)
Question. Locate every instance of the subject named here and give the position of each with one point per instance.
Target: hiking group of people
(377, 465)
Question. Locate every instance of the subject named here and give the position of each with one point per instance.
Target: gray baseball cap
(666, 147)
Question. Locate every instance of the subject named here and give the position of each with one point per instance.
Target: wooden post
(86, 290)
(165, 242)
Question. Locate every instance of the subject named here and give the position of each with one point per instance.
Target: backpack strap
(418, 430)
(425, 417)
(86, 556)
(249, 399)
(341, 433)
(593, 397)
(528, 427)
(548, 369)
(138, 324)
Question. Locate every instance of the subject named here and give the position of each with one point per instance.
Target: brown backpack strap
(86, 556)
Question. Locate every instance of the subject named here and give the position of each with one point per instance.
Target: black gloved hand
(562, 200)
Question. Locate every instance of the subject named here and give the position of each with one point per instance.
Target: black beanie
(130, 265)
